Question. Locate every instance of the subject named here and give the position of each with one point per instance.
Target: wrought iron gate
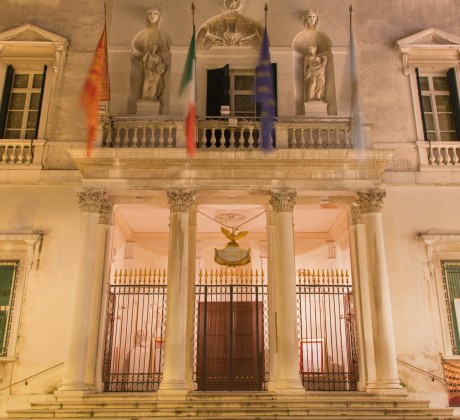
(327, 333)
(134, 347)
(231, 331)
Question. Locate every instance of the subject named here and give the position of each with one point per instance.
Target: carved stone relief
(230, 29)
(150, 64)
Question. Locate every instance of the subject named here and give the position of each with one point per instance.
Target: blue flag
(265, 93)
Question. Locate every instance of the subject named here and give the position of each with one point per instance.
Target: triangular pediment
(31, 33)
(432, 37)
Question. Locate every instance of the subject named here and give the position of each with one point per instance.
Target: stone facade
(366, 194)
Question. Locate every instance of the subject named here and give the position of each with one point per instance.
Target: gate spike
(262, 275)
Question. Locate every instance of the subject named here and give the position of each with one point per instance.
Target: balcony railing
(21, 152)
(217, 133)
(439, 154)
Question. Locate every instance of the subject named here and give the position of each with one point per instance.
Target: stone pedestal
(315, 109)
(287, 343)
(146, 108)
(174, 381)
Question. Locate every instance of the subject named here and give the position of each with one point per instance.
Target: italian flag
(187, 91)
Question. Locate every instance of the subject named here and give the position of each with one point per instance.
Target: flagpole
(195, 87)
(266, 11)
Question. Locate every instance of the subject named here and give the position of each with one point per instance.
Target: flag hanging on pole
(265, 93)
(188, 92)
(358, 137)
(96, 89)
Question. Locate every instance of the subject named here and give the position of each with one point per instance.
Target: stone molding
(180, 201)
(370, 201)
(283, 201)
(90, 199)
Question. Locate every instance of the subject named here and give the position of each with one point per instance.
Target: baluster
(232, 138)
(143, 136)
(328, 139)
(3, 150)
(320, 140)
(455, 158)
(311, 141)
(20, 158)
(29, 155)
(431, 156)
(303, 138)
(446, 156)
(202, 141)
(213, 137)
(291, 138)
(167, 132)
(337, 138)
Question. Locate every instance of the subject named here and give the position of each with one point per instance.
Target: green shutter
(454, 99)
(6, 99)
(451, 277)
(40, 102)
(420, 98)
(8, 275)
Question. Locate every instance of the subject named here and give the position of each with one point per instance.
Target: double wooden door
(230, 346)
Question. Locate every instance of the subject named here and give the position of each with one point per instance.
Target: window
(438, 97)
(451, 283)
(8, 281)
(233, 87)
(21, 106)
(30, 66)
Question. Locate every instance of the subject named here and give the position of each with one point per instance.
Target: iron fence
(327, 332)
(133, 357)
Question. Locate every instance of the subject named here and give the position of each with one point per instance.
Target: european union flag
(265, 93)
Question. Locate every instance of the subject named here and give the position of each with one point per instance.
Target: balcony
(218, 133)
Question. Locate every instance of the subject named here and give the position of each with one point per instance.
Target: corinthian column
(79, 361)
(386, 373)
(284, 279)
(366, 359)
(174, 379)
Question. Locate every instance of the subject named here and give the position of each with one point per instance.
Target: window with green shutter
(451, 281)
(8, 281)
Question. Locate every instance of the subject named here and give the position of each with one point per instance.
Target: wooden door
(230, 357)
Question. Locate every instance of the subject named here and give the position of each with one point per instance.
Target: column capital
(105, 212)
(180, 201)
(283, 201)
(356, 216)
(370, 201)
(90, 199)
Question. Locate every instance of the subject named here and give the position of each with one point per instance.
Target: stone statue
(153, 74)
(314, 75)
(142, 46)
(313, 69)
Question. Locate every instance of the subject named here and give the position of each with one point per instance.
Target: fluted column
(370, 203)
(174, 380)
(271, 253)
(287, 342)
(363, 314)
(77, 365)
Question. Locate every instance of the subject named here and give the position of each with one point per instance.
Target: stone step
(343, 403)
(220, 412)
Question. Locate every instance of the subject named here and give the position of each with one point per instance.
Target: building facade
(330, 262)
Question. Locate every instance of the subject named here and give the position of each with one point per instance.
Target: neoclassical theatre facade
(151, 280)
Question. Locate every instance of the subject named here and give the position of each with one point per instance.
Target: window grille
(8, 281)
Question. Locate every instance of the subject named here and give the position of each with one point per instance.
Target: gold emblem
(232, 255)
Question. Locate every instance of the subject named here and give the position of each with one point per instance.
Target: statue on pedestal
(314, 75)
(153, 74)
(143, 60)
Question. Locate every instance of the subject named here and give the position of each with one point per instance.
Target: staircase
(234, 405)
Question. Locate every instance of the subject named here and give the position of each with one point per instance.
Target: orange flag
(96, 89)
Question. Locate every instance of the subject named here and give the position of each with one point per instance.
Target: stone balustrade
(439, 153)
(327, 133)
(21, 152)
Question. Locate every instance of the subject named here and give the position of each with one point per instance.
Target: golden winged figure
(233, 236)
